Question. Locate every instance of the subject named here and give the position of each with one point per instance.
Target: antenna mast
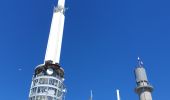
(91, 95)
(56, 34)
(48, 78)
(118, 94)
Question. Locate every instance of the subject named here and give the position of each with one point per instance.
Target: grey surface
(143, 88)
(140, 74)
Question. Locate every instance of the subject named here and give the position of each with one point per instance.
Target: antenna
(56, 33)
(118, 94)
(91, 95)
(51, 70)
(140, 63)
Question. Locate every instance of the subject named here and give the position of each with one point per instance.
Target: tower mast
(118, 94)
(143, 88)
(48, 78)
(91, 95)
(56, 33)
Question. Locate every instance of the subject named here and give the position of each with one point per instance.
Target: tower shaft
(48, 78)
(118, 94)
(145, 96)
(143, 89)
(56, 33)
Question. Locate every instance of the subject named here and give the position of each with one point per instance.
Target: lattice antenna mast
(56, 34)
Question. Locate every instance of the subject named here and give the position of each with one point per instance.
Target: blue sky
(101, 43)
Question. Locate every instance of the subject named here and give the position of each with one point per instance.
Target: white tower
(118, 94)
(143, 88)
(48, 78)
(91, 95)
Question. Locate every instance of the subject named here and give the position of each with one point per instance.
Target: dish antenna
(50, 71)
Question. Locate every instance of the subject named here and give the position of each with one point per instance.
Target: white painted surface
(140, 74)
(55, 37)
(118, 94)
(61, 3)
(145, 96)
(91, 95)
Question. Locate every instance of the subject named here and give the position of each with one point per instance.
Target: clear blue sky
(101, 43)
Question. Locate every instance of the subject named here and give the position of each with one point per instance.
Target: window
(59, 93)
(53, 82)
(42, 90)
(35, 82)
(60, 86)
(49, 98)
(40, 98)
(43, 81)
(32, 98)
(33, 90)
(52, 91)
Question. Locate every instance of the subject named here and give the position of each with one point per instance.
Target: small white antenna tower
(118, 94)
(91, 95)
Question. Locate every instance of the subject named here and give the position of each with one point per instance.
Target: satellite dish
(50, 71)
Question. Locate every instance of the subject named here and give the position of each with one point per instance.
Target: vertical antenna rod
(91, 95)
(118, 94)
(56, 33)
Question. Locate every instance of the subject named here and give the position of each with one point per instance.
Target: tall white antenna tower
(48, 78)
(118, 94)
